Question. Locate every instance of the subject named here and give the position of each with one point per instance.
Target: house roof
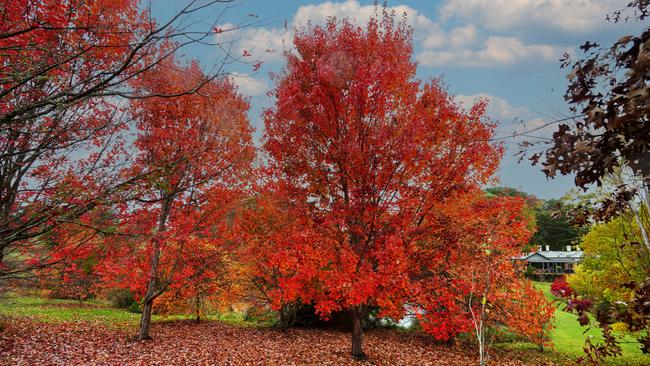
(553, 256)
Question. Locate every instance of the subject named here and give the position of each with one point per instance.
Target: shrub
(135, 308)
(263, 315)
(530, 315)
(121, 298)
(561, 288)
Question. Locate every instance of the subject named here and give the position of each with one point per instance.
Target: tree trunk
(287, 315)
(639, 221)
(147, 304)
(145, 320)
(4, 238)
(197, 308)
(357, 334)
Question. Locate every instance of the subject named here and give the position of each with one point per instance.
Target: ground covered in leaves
(31, 342)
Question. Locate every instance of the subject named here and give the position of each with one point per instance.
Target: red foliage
(194, 152)
(65, 67)
(41, 37)
(466, 264)
(374, 195)
(59, 134)
(561, 288)
(529, 314)
(382, 174)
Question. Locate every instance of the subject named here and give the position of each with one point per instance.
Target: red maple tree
(65, 67)
(368, 153)
(197, 150)
(468, 279)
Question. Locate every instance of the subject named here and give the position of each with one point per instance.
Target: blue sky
(503, 50)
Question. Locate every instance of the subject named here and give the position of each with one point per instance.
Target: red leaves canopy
(59, 62)
(468, 261)
(371, 155)
(194, 152)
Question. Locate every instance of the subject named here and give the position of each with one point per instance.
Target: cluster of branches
(67, 67)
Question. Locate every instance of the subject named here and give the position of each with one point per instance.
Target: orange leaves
(383, 166)
(528, 313)
(468, 258)
(194, 153)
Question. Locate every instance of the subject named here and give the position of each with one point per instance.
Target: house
(553, 262)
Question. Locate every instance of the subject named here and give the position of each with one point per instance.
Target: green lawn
(54, 310)
(569, 337)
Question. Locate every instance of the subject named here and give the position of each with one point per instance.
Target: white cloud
(435, 37)
(495, 51)
(469, 44)
(567, 15)
(499, 32)
(352, 9)
(269, 43)
(265, 44)
(463, 36)
(498, 109)
(248, 85)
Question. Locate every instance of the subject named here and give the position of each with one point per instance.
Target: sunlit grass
(569, 337)
(56, 310)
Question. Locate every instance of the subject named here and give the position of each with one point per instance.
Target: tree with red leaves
(466, 278)
(198, 149)
(281, 252)
(369, 154)
(495, 232)
(528, 313)
(65, 69)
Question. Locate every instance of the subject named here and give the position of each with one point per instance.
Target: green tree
(552, 219)
(554, 226)
(614, 257)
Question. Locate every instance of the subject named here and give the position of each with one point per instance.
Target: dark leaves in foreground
(609, 93)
